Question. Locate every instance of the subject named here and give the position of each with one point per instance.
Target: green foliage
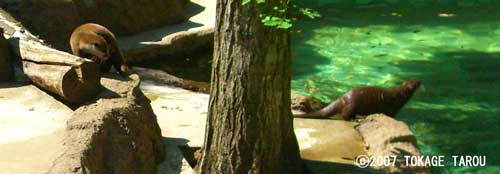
(310, 13)
(277, 22)
(274, 16)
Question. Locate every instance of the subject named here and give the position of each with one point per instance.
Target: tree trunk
(249, 124)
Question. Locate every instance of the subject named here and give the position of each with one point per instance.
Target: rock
(305, 103)
(329, 146)
(164, 43)
(54, 20)
(385, 136)
(116, 134)
(6, 72)
(175, 44)
(163, 78)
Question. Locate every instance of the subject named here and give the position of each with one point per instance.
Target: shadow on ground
(195, 66)
(173, 157)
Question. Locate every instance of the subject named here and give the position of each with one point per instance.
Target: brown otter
(368, 100)
(97, 43)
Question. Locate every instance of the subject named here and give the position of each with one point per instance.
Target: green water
(456, 55)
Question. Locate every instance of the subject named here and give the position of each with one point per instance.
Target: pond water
(453, 49)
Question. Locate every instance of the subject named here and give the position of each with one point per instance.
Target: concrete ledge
(172, 40)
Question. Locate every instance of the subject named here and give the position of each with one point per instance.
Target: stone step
(173, 39)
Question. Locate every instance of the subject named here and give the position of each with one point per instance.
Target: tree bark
(74, 79)
(249, 125)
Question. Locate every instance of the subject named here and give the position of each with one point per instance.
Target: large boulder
(6, 73)
(54, 20)
(118, 133)
(384, 137)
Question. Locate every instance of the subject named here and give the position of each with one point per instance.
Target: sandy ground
(32, 156)
(31, 125)
(21, 118)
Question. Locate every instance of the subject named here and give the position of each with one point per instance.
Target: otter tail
(324, 113)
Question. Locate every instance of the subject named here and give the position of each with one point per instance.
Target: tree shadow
(305, 57)
(13, 84)
(193, 9)
(404, 14)
(195, 66)
(173, 156)
(400, 18)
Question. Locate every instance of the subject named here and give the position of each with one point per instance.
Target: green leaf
(284, 25)
(310, 13)
(244, 2)
(260, 1)
(278, 22)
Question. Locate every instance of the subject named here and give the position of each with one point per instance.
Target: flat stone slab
(181, 113)
(28, 112)
(329, 146)
(319, 140)
(31, 129)
(162, 41)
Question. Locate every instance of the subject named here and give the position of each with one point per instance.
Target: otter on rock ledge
(96, 42)
(367, 100)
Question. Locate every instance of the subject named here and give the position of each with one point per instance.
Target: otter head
(411, 85)
(96, 48)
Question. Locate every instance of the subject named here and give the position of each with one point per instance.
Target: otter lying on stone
(367, 100)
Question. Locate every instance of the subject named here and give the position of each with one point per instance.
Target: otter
(367, 100)
(97, 43)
